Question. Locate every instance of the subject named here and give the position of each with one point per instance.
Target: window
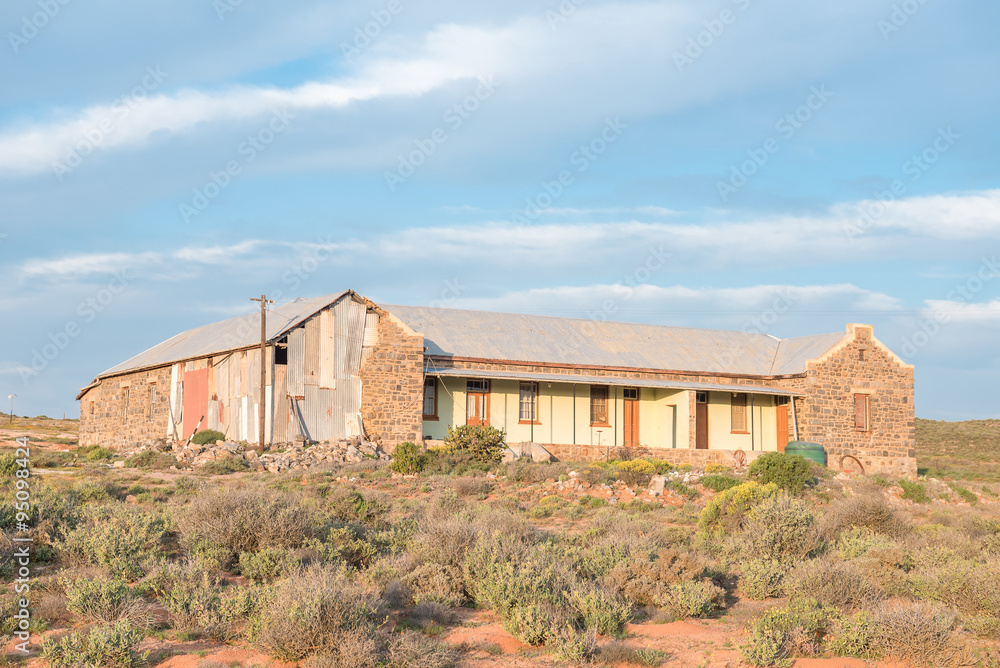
(91, 407)
(528, 412)
(630, 394)
(738, 413)
(125, 405)
(599, 405)
(477, 386)
(152, 402)
(430, 399)
(701, 397)
(862, 412)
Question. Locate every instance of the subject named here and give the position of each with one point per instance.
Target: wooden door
(701, 425)
(781, 413)
(631, 415)
(195, 400)
(477, 406)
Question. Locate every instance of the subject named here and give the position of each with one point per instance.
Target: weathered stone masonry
(392, 383)
(103, 416)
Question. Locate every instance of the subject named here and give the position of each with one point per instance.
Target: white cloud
(217, 254)
(87, 263)
(963, 312)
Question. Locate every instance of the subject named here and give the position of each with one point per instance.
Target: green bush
(486, 443)
(93, 453)
(601, 610)
(151, 460)
(8, 464)
(780, 528)
(105, 601)
(869, 511)
(225, 466)
(411, 649)
(694, 598)
(635, 472)
(267, 564)
(789, 472)
(795, 628)
(120, 538)
(725, 512)
(965, 494)
(311, 613)
(914, 491)
(103, 647)
(407, 459)
(718, 483)
(839, 583)
(857, 636)
(762, 578)
(206, 436)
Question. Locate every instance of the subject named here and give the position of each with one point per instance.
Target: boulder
(120, 464)
(657, 483)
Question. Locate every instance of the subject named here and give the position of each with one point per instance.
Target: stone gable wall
(392, 385)
(828, 417)
(102, 418)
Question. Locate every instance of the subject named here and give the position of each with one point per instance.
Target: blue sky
(778, 166)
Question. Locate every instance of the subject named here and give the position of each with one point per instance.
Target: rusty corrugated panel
(571, 341)
(213, 416)
(280, 432)
(310, 408)
(296, 361)
(325, 422)
(223, 375)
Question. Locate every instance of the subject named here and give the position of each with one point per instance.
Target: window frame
(151, 408)
(430, 381)
(867, 427)
(533, 388)
(733, 406)
(606, 389)
(125, 403)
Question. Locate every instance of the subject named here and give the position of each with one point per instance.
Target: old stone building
(341, 366)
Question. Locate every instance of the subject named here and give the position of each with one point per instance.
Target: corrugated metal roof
(536, 338)
(232, 334)
(604, 380)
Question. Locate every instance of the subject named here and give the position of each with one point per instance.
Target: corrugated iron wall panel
(325, 423)
(213, 416)
(371, 336)
(296, 361)
(280, 404)
(310, 411)
(327, 349)
(311, 374)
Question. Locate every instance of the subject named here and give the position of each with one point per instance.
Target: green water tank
(813, 451)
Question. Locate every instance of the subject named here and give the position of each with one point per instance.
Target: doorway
(477, 404)
(701, 421)
(781, 415)
(630, 395)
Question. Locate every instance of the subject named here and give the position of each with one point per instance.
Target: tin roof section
(571, 341)
(232, 334)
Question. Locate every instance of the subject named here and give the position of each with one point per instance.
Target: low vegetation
(360, 566)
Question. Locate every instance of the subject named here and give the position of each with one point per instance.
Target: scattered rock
(119, 464)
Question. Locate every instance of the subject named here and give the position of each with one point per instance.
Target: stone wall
(678, 456)
(392, 385)
(103, 420)
(862, 366)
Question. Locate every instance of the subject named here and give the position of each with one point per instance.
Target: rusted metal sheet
(280, 432)
(212, 418)
(195, 400)
(570, 341)
(323, 411)
(311, 410)
(296, 361)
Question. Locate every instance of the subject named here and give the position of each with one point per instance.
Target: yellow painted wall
(764, 424)
(658, 426)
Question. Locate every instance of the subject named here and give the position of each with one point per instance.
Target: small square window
(701, 397)
(630, 393)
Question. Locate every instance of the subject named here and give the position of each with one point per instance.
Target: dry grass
(960, 450)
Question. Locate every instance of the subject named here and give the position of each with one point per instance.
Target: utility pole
(264, 301)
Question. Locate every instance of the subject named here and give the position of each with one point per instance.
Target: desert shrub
(919, 632)
(106, 601)
(964, 584)
(346, 544)
(119, 538)
(795, 628)
(635, 472)
(856, 636)
(716, 468)
(351, 505)
(789, 472)
(436, 583)
(206, 436)
(914, 491)
(93, 453)
(151, 460)
(598, 475)
(309, 613)
(869, 511)
(573, 646)
(965, 494)
(780, 528)
(693, 598)
(407, 459)
(429, 613)
(245, 520)
(725, 512)
(97, 490)
(411, 649)
(8, 463)
(469, 486)
(859, 541)
(682, 489)
(355, 648)
(762, 578)
(225, 466)
(718, 483)
(484, 442)
(616, 653)
(601, 611)
(445, 462)
(267, 563)
(196, 602)
(839, 583)
(645, 579)
(103, 647)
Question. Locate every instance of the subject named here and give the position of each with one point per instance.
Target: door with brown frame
(701, 421)
(630, 395)
(477, 405)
